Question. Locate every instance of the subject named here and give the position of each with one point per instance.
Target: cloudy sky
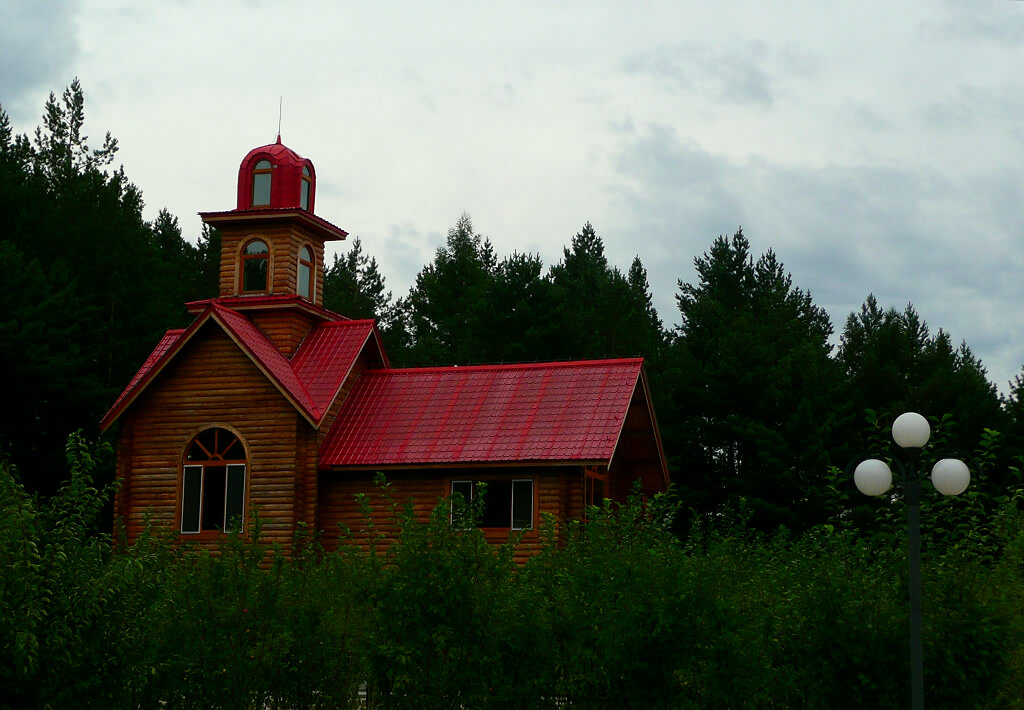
(877, 147)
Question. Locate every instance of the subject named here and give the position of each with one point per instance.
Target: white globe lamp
(872, 477)
(950, 477)
(911, 430)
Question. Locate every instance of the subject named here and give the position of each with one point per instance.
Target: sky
(876, 147)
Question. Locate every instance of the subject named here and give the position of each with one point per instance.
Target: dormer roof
(310, 380)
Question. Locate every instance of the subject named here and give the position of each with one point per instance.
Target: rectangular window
(522, 504)
(234, 511)
(261, 189)
(191, 498)
(594, 491)
(214, 484)
(254, 274)
(304, 281)
(506, 503)
(212, 498)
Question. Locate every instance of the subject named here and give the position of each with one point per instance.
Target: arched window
(261, 176)
(306, 273)
(307, 187)
(255, 266)
(213, 483)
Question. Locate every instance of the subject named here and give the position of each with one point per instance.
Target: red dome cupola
(276, 177)
(272, 245)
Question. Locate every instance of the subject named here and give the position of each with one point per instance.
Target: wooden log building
(268, 401)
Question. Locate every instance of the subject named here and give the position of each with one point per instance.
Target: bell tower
(272, 244)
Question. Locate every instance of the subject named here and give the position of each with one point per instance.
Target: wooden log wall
(211, 384)
(284, 328)
(638, 454)
(556, 491)
(284, 239)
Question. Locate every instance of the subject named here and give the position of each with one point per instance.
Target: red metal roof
(318, 225)
(166, 343)
(310, 380)
(285, 185)
(326, 356)
(547, 412)
(277, 302)
(268, 358)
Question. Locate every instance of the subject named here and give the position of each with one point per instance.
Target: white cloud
(874, 145)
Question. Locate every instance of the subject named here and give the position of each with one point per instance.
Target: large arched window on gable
(305, 288)
(307, 188)
(261, 177)
(213, 483)
(255, 266)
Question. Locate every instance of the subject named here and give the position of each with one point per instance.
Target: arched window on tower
(307, 188)
(306, 273)
(261, 176)
(255, 266)
(213, 483)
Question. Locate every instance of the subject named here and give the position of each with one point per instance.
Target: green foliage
(447, 309)
(752, 388)
(90, 285)
(467, 306)
(613, 612)
(893, 364)
(354, 287)
(600, 311)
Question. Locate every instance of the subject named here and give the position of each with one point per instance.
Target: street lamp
(950, 477)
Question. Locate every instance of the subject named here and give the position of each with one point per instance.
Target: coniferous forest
(763, 579)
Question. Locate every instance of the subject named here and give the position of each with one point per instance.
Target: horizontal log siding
(285, 328)
(637, 456)
(558, 492)
(284, 241)
(211, 383)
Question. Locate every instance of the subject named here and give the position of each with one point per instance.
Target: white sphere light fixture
(950, 477)
(872, 477)
(911, 430)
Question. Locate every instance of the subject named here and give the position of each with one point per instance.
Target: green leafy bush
(614, 612)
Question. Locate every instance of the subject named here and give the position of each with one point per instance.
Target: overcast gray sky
(877, 147)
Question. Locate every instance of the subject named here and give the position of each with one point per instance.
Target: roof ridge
(511, 366)
(350, 321)
(310, 404)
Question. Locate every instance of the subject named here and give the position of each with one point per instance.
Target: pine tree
(599, 311)
(354, 287)
(89, 291)
(447, 314)
(752, 385)
(893, 364)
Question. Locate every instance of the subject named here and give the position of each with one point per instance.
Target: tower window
(261, 176)
(213, 483)
(307, 187)
(255, 265)
(306, 273)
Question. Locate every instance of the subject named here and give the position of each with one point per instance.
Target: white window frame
(228, 470)
(512, 498)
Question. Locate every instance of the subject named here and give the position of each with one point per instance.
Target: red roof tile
(268, 358)
(310, 381)
(166, 343)
(277, 302)
(540, 412)
(326, 356)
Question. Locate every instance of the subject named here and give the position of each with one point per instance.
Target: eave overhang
(317, 225)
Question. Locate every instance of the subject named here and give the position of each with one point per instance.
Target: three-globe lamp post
(950, 477)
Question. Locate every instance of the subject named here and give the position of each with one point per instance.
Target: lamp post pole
(950, 477)
(912, 495)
